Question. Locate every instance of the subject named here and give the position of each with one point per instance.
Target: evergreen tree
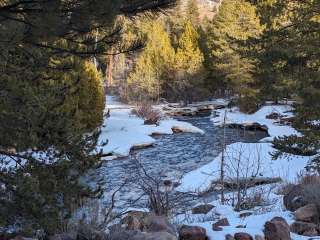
(51, 102)
(147, 79)
(271, 80)
(188, 71)
(292, 51)
(230, 71)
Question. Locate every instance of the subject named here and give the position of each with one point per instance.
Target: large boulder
(243, 236)
(192, 233)
(304, 228)
(294, 199)
(88, 232)
(307, 213)
(158, 236)
(21, 238)
(202, 209)
(217, 226)
(116, 228)
(63, 236)
(277, 229)
(153, 223)
(126, 234)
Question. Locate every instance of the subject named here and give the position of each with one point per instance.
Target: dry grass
(311, 188)
(309, 179)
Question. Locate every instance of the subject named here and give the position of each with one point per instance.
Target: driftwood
(232, 184)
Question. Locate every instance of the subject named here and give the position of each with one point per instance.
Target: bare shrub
(93, 217)
(149, 114)
(161, 197)
(309, 179)
(242, 171)
(312, 194)
(284, 188)
(251, 201)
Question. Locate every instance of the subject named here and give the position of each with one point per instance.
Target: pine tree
(188, 69)
(147, 79)
(284, 55)
(51, 102)
(230, 71)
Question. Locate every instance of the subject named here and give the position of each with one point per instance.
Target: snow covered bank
(245, 160)
(249, 221)
(252, 225)
(275, 129)
(123, 131)
(250, 160)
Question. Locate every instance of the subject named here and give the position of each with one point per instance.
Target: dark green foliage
(170, 66)
(51, 103)
(43, 196)
(187, 73)
(295, 145)
(43, 124)
(230, 71)
(289, 56)
(146, 80)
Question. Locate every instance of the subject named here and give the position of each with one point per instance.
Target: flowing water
(169, 158)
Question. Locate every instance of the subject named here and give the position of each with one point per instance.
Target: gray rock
(307, 213)
(277, 229)
(158, 236)
(245, 214)
(63, 236)
(22, 238)
(217, 226)
(192, 233)
(153, 223)
(294, 199)
(302, 228)
(202, 209)
(137, 235)
(88, 232)
(242, 236)
(125, 234)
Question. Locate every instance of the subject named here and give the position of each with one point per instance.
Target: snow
(242, 161)
(112, 102)
(254, 160)
(123, 131)
(12, 163)
(274, 129)
(254, 224)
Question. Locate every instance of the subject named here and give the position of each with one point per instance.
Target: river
(168, 159)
